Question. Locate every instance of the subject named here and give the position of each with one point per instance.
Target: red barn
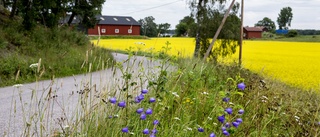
(252, 32)
(116, 25)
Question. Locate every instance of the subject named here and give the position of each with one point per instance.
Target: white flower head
(175, 94)
(176, 118)
(188, 128)
(205, 93)
(34, 65)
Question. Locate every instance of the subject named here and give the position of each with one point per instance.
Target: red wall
(110, 30)
(253, 34)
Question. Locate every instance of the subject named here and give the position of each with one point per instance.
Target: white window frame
(116, 31)
(129, 31)
(103, 30)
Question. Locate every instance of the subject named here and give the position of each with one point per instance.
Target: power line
(151, 7)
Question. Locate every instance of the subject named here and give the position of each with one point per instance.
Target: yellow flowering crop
(296, 63)
(179, 46)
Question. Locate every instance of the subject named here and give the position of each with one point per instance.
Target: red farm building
(252, 32)
(115, 25)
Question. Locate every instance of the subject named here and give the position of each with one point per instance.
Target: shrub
(292, 33)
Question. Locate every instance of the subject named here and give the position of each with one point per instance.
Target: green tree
(208, 15)
(163, 28)
(186, 26)
(284, 18)
(268, 23)
(148, 27)
(181, 29)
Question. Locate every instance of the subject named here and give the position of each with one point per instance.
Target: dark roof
(253, 28)
(108, 20)
(116, 20)
(76, 20)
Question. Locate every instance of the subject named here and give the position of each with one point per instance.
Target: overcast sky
(306, 13)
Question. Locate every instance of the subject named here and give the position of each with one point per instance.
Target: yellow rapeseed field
(295, 63)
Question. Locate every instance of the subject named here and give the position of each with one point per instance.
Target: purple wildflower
(125, 130)
(241, 86)
(228, 110)
(144, 91)
(145, 131)
(122, 104)
(113, 100)
(200, 129)
(139, 110)
(221, 118)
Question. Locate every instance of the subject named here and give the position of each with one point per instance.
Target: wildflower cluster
(229, 119)
(143, 112)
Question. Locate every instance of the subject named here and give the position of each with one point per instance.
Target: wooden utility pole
(218, 31)
(241, 34)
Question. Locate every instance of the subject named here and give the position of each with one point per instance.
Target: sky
(305, 12)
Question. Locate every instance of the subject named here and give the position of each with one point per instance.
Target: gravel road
(18, 104)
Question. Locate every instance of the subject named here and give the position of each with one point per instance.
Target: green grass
(62, 52)
(189, 97)
(299, 38)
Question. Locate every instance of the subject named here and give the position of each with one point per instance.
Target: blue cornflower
(139, 110)
(200, 129)
(145, 131)
(136, 99)
(241, 111)
(228, 125)
(241, 86)
(141, 97)
(122, 104)
(125, 130)
(151, 100)
(223, 128)
(226, 133)
(144, 91)
(239, 120)
(228, 110)
(221, 118)
(235, 124)
(113, 100)
(155, 122)
(226, 99)
(143, 116)
(154, 131)
(149, 111)
(212, 135)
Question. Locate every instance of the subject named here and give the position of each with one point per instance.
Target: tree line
(50, 12)
(151, 29)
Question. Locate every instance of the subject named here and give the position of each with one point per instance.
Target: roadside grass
(62, 51)
(187, 97)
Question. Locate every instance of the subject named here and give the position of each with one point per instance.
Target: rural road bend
(18, 104)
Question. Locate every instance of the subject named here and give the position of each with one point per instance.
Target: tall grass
(192, 98)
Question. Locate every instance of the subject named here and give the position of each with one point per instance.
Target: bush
(292, 33)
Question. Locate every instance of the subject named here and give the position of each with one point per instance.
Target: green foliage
(268, 23)
(148, 27)
(292, 33)
(209, 18)
(63, 52)
(181, 29)
(186, 26)
(49, 12)
(163, 28)
(284, 18)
